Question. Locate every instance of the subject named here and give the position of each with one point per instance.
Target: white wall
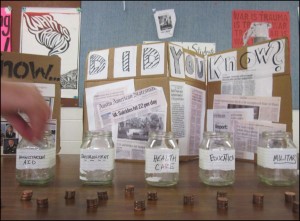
(72, 128)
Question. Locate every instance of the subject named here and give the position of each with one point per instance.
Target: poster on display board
(249, 26)
(54, 31)
(6, 29)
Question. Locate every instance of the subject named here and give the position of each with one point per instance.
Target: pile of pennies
(42, 202)
(92, 202)
(258, 199)
(222, 200)
(129, 190)
(26, 195)
(188, 199)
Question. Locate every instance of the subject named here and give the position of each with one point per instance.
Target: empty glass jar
(277, 159)
(35, 163)
(97, 158)
(161, 159)
(217, 159)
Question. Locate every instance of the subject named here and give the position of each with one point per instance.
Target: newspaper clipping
(247, 135)
(265, 108)
(247, 83)
(187, 114)
(131, 117)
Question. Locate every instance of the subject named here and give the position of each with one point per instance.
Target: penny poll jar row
(276, 159)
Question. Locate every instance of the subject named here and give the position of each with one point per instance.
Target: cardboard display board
(176, 69)
(160, 65)
(272, 55)
(38, 69)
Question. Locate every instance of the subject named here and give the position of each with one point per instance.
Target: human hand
(17, 97)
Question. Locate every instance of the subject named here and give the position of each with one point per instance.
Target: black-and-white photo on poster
(165, 23)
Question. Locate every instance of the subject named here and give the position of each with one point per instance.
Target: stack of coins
(188, 200)
(290, 197)
(26, 195)
(70, 194)
(258, 199)
(91, 202)
(102, 195)
(152, 196)
(139, 205)
(129, 190)
(296, 207)
(222, 203)
(42, 202)
(221, 194)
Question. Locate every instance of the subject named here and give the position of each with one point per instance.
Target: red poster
(250, 26)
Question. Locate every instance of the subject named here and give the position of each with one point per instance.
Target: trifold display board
(133, 90)
(42, 72)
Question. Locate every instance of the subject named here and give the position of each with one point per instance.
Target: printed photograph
(3, 128)
(165, 22)
(9, 131)
(138, 128)
(256, 108)
(10, 145)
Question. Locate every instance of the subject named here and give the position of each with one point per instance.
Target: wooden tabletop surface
(169, 205)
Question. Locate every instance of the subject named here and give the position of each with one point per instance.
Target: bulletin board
(107, 25)
(16, 19)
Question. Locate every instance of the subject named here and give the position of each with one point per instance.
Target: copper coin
(258, 198)
(139, 205)
(289, 197)
(222, 203)
(188, 199)
(296, 207)
(70, 194)
(152, 196)
(221, 194)
(102, 195)
(91, 202)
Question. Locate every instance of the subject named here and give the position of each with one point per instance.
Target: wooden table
(169, 205)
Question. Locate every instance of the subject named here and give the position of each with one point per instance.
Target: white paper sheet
(124, 87)
(54, 31)
(165, 21)
(125, 62)
(265, 108)
(153, 59)
(222, 120)
(248, 83)
(97, 68)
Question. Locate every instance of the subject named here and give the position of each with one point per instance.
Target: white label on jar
(275, 158)
(35, 159)
(162, 160)
(217, 160)
(100, 159)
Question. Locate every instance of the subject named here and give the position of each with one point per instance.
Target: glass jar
(161, 159)
(35, 163)
(97, 158)
(217, 159)
(277, 159)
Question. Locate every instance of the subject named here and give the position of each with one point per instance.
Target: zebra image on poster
(54, 31)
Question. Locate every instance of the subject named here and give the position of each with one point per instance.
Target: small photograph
(3, 128)
(165, 22)
(256, 108)
(9, 131)
(10, 145)
(138, 128)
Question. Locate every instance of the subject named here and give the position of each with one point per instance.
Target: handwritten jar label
(100, 159)
(35, 159)
(162, 161)
(277, 158)
(217, 160)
